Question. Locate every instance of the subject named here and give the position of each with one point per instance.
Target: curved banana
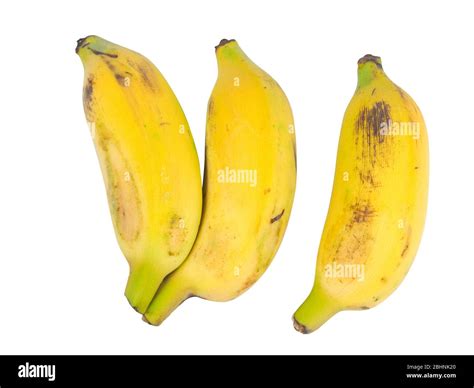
(378, 204)
(148, 161)
(249, 184)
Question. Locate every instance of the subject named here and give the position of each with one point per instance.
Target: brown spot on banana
(146, 77)
(121, 79)
(176, 235)
(122, 193)
(294, 156)
(268, 244)
(362, 212)
(96, 52)
(354, 243)
(368, 127)
(210, 107)
(370, 120)
(407, 243)
(401, 93)
(141, 68)
(248, 283)
(405, 249)
(277, 217)
(87, 93)
(366, 177)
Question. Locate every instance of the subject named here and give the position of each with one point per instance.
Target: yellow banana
(148, 160)
(378, 204)
(249, 184)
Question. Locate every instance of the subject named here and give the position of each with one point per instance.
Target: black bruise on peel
(368, 126)
(140, 68)
(210, 107)
(276, 218)
(119, 77)
(401, 93)
(370, 120)
(89, 88)
(88, 91)
(367, 178)
(405, 250)
(96, 52)
(145, 77)
(362, 213)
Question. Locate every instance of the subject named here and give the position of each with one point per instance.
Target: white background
(62, 275)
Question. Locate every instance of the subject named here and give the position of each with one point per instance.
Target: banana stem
(315, 310)
(142, 284)
(170, 295)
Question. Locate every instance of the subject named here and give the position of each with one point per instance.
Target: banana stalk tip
(299, 327)
(80, 43)
(223, 42)
(88, 40)
(370, 58)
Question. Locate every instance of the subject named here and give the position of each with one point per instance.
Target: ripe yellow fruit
(378, 204)
(249, 184)
(148, 161)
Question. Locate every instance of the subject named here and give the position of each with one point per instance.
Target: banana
(378, 204)
(148, 161)
(249, 184)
